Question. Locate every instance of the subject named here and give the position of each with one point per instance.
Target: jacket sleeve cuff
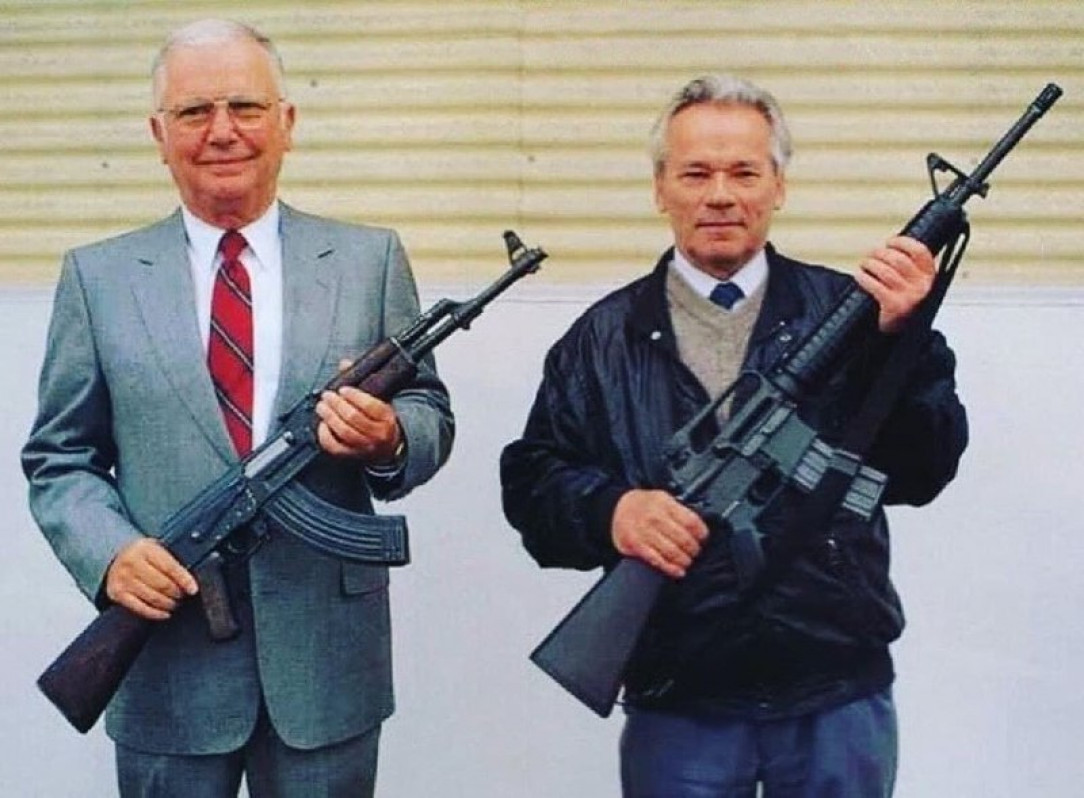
(600, 521)
(392, 469)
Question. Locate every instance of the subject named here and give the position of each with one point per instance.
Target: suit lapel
(309, 292)
(165, 296)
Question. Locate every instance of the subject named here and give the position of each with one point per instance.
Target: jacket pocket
(359, 579)
(837, 589)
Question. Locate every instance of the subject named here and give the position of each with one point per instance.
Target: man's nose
(221, 124)
(718, 190)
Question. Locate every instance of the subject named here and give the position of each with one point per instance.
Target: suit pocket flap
(358, 579)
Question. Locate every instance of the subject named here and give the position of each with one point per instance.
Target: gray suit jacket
(128, 429)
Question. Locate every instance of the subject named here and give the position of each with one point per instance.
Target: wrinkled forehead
(209, 70)
(718, 132)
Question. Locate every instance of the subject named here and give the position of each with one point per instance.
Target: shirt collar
(262, 237)
(748, 278)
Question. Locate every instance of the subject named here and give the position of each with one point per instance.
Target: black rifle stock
(260, 494)
(732, 477)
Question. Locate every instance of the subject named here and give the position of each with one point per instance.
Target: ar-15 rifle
(260, 494)
(732, 477)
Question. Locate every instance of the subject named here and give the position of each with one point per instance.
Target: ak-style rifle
(234, 514)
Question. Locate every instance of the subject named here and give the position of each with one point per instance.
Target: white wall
(989, 682)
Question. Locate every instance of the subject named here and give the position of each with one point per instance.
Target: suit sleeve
(424, 409)
(70, 454)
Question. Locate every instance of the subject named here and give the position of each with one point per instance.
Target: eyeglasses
(245, 112)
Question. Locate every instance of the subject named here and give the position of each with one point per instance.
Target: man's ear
(159, 135)
(656, 188)
(780, 190)
(289, 117)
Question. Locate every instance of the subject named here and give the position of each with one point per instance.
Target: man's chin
(227, 208)
(229, 190)
(226, 199)
(720, 262)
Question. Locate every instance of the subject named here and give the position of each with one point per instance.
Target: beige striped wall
(452, 121)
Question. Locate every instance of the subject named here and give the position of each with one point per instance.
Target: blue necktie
(725, 295)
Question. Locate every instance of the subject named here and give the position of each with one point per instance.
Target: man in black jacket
(788, 687)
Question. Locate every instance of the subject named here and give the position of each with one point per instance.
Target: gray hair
(722, 89)
(214, 31)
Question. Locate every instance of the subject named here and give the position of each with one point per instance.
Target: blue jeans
(846, 752)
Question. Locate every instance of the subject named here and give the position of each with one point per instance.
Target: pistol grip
(748, 553)
(215, 597)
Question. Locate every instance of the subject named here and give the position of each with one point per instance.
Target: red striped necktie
(230, 346)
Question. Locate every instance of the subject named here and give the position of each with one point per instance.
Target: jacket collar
(310, 280)
(783, 303)
(164, 293)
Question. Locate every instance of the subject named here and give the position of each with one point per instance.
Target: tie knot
(726, 294)
(232, 245)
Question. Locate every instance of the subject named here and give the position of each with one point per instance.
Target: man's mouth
(225, 162)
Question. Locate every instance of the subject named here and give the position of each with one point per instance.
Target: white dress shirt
(748, 278)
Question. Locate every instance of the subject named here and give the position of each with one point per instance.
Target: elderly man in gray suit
(133, 421)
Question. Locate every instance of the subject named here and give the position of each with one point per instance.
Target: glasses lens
(194, 114)
(245, 112)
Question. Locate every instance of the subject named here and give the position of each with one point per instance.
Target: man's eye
(195, 111)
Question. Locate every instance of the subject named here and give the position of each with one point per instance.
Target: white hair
(722, 89)
(213, 31)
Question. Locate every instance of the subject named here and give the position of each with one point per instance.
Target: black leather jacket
(614, 390)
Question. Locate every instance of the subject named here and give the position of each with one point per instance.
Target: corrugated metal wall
(452, 121)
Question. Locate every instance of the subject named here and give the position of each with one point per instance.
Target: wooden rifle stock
(588, 652)
(83, 679)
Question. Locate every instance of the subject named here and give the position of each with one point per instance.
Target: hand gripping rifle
(236, 512)
(732, 476)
